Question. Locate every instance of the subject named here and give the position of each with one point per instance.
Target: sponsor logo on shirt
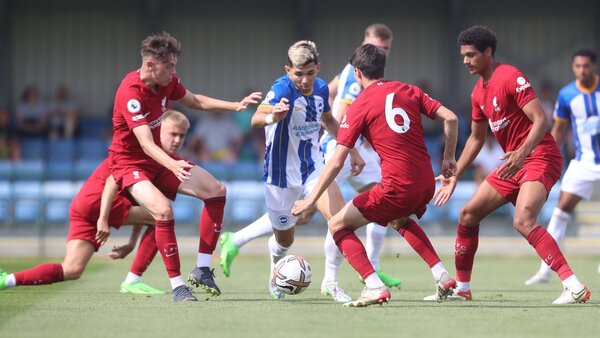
(523, 84)
(134, 106)
(344, 125)
(307, 129)
(156, 123)
(497, 125)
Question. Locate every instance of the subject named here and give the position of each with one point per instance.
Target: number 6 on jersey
(390, 114)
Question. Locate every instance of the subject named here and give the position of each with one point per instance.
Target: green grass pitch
(503, 306)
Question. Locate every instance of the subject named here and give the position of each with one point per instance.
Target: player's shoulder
(568, 91)
(320, 86)
(282, 84)
(131, 83)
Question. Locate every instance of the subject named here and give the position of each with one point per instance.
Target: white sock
(276, 250)
(176, 281)
(11, 282)
(132, 278)
(260, 227)
(372, 281)
(333, 259)
(203, 259)
(463, 286)
(556, 228)
(375, 237)
(437, 271)
(572, 283)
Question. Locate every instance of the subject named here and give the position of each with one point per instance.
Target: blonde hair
(302, 53)
(177, 117)
(379, 30)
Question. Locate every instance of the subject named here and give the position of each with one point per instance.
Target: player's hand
(443, 193)
(301, 206)
(103, 232)
(180, 170)
(280, 110)
(513, 162)
(357, 163)
(120, 251)
(448, 167)
(253, 98)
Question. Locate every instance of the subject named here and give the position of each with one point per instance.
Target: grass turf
(502, 306)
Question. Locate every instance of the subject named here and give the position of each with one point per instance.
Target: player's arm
(205, 103)
(144, 136)
(558, 129)
(121, 251)
(513, 160)
(266, 115)
(332, 126)
(332, 168)
(333, 89)
(106, 201)
(450, 122)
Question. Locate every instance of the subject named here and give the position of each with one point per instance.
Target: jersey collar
(588, 90)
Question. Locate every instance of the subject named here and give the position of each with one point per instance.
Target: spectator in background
(9, 141)
(63, 115)
(216, 138)
(32, 114)
(488, 158)
(252, 146)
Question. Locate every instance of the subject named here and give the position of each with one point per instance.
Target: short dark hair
(160, 46)
(370, 60)
(479, 36)
(585, 52)
(379, 30)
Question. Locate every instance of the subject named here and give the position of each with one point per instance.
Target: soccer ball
(292, 275)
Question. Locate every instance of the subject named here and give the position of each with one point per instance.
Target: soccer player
(388, 115)
(504, 99)
(345, 89)
(141, 168)
(576, 104)
(84, 238)
(292, 114)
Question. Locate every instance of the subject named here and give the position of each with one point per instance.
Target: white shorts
(279, 201)
(579, 179)
(371, 173)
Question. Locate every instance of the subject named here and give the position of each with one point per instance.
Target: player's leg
(485, 200)
(330, 203)
(204, 186)
(529, 202)
(77, 256)
(343, 226)
(153, 200)
(232, 242)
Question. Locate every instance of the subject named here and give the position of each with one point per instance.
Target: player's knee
(163, 212)
(220, 190)
(523, 224)
(466, 216)
(72, 271)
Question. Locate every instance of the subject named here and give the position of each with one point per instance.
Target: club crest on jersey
(523, 84)
(164, 104)
(495, 103)
(134, 106)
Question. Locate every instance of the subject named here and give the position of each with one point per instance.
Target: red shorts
(385, 203)
(127, 175)
(546, 170)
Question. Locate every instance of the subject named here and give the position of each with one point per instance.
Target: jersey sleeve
(131, 106)
(277, 91)
(562, 110)
(476, 111)
(325, 95)
(351, 129)
(519, 88)
(178, 91)
(429, 106)
(350, 89)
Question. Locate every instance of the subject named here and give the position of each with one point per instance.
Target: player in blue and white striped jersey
(577, 104)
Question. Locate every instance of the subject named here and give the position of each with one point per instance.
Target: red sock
(418, 240)
(467, 240)
(210, 224)
(354, 251)
(548, 250)
(166, 242)
(145, 253)
(42, 274)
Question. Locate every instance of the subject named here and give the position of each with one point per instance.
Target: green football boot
(389, 281)
(228, 252)
(139, 288)
(3, 276)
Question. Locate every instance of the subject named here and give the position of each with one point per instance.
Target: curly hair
(479, 36)
(160, 46)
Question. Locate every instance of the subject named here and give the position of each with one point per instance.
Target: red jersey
(388, 114)
(135, 105)
(500, 102)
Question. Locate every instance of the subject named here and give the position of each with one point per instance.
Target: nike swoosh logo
(578, 294)
(169, 255)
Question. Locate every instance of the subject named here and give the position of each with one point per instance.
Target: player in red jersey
(388, 114)
(504, 99)
(141, 169)
(83, 238)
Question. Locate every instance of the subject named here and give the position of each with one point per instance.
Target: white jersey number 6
(390, 114)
